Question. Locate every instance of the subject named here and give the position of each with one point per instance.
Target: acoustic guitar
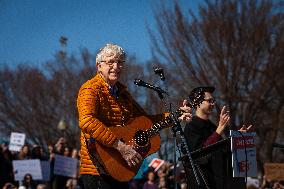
(139, 133)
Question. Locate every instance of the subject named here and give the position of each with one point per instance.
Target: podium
(214, 168)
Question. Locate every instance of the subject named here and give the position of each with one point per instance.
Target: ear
(98, 65)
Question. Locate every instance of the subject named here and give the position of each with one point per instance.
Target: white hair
(110, 50)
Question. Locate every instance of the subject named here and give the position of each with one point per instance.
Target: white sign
(156, 163)
(65, 166)
(22, 167)
(243, 154)
(17, 140)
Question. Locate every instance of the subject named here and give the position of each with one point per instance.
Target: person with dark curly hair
(202, 132)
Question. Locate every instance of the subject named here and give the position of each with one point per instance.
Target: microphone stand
(160, 72)
(177, 128)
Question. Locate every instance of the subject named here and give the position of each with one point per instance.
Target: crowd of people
(162, 179)
(32, 152)
(268, 183)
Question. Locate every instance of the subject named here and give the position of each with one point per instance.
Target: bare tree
(27, 103)
(236, 46)
(42, 103)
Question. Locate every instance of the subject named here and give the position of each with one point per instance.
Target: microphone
(139, 82)
(160, 72)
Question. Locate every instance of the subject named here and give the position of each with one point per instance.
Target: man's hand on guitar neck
(128, 153)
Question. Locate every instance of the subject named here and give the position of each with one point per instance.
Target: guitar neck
(158, 126)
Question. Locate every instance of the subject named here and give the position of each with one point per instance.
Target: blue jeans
(102, 182)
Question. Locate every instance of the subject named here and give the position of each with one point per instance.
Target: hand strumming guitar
(128, 153)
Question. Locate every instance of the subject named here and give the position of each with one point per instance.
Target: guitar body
(115, 165)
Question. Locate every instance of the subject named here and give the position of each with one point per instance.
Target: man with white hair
(104, 103)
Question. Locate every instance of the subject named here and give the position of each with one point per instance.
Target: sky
(30, 29)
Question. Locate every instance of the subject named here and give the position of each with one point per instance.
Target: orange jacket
(98, 110)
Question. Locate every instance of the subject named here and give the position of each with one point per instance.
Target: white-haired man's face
(110, 68)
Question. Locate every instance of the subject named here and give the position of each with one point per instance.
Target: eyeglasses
(120, 64)
(210, 100)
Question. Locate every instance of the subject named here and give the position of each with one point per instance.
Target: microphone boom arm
(160, 91)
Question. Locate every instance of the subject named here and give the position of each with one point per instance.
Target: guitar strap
(95, 158)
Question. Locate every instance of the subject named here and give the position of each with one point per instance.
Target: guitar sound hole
(141, 138)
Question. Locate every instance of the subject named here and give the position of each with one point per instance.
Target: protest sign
(156, 163)
(17, 140)
(22, 167)
(65, 166)
(243, 154)
(274, 171)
